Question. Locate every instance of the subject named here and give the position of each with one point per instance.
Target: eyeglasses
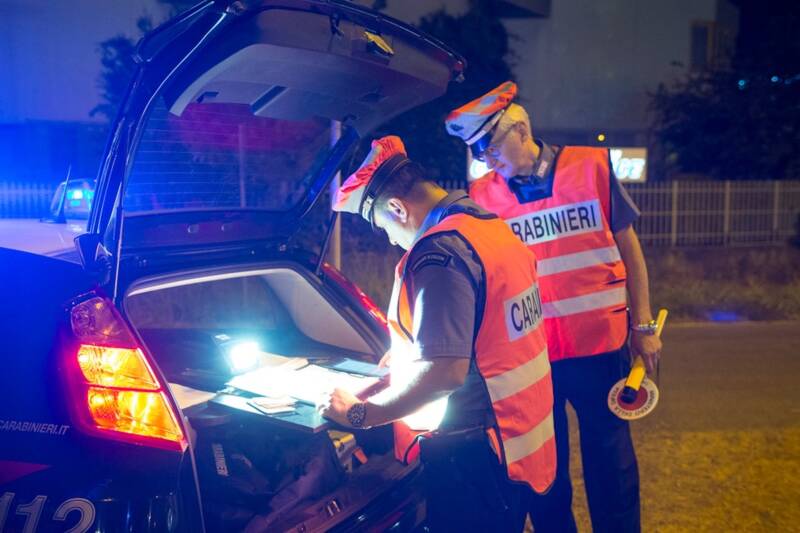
(493, 150)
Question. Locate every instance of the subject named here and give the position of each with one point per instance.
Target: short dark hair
(405, 183)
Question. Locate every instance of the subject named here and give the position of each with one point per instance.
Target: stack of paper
(310, 384)
(272, 406)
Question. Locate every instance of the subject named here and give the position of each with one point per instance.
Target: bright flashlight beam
(243, 356)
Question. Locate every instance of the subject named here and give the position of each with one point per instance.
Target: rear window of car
(222, 156)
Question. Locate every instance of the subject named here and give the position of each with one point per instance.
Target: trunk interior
(262, 471)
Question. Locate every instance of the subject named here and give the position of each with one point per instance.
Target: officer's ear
(522, 130)
(397, 209)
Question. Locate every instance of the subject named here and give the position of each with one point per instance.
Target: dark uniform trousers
(466, 487)
(609, 462)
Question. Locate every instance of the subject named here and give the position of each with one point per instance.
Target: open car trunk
(222, 146)
(260, 470)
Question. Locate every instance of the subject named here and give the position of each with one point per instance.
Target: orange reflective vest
(582, 276)
(510, 348)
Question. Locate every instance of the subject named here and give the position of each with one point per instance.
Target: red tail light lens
(356, 291)
(373, 309)
(116, 367)
(139, 413)
(116, 391)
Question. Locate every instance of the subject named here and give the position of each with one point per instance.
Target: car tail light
(372, 308)
(356, 291)
(116, 367)
(115, 391)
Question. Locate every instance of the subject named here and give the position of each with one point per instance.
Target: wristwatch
(356, 414)
(648, 328)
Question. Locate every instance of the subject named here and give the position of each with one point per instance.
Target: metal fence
(727, 213)
(25, 200)
(713, 213)
(676, 213)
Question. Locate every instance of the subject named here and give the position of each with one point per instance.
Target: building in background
(585, 71)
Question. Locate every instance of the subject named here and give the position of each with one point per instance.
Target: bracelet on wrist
(648, 328)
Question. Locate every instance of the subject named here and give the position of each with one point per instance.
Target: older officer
(567, 206)
(466, 324)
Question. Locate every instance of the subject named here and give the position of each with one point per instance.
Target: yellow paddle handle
(638, 370)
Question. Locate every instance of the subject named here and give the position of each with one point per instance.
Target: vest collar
(439, 211)
(544, 165)
(538, 185)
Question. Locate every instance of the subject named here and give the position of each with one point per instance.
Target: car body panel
(42, 237)
(45, 459)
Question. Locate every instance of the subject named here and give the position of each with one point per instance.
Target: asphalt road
(721, 451)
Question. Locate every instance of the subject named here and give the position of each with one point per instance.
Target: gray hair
(514, 113)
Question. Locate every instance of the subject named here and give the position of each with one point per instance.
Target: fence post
(776, 210)
(726, 214)
(674, 222)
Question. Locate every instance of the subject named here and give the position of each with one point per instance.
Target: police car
(120, 408)
(53, 235)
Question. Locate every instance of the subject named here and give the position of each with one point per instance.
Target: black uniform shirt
(446, 292)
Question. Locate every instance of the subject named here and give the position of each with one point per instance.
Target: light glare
(243, 356)
(477, 169)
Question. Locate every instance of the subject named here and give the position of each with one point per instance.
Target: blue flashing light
(774, 79)
(742, 84)
(75, 194)
(724, 316)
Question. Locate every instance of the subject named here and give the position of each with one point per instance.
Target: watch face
(356, 414)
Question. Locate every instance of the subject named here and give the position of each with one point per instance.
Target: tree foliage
(118, 63)
(481, 38)
(741, 122)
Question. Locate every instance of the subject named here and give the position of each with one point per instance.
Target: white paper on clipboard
(187, 396)
(308, 384)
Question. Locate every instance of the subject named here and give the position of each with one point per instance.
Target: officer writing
(467, 329)
(566, 205)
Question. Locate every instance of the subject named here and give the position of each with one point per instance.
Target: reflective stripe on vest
(518, 379)
(585, 303)
(517, 448)
(576, 261)
(510, 346)
(581, 273)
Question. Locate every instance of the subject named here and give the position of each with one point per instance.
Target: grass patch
(694, 284)
(750, 284)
